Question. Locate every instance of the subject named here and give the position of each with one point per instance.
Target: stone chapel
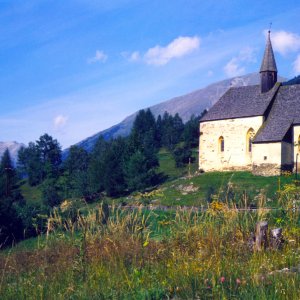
(253, 128)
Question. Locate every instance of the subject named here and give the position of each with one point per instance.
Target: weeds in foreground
(144, 255)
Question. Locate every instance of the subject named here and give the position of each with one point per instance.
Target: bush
(51, 193)
(182, 156)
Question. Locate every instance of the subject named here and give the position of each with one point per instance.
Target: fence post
(261, 236)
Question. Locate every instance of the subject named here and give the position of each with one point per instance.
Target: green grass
(32, 194)
(244, 186)
(241, 188)
(143, 254)
(167, 165)
(154, 255)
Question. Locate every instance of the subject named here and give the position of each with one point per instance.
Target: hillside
(130, 253)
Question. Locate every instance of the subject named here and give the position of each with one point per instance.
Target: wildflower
(238, 281)
(222, 279)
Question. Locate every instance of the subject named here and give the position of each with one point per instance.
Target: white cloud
(284, 42)
(100, 56)
(296, 65)
(233, 67)
(60, 121)
(179, 47)
(135, 56)
(247, 54)
(132, 57)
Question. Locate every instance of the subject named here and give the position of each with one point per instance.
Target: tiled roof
(268, 63)
(238, 102)
(285, 112)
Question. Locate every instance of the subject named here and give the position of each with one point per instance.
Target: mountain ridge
(186, 105)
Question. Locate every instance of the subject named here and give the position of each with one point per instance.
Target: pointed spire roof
(268, 63)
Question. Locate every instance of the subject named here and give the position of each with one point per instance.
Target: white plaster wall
(266, 153)
(234, 132)
(296, 135)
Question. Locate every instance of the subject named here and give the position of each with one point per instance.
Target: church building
(254, 128)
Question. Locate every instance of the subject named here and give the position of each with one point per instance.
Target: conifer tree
(142, 157)
(7, 175)
(76, 167)
(10, 223)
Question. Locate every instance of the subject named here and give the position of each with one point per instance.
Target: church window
(221, 144)
(249, 139)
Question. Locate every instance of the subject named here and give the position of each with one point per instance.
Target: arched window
(221, 144)
(249, 139)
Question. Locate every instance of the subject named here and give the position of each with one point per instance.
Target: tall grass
(149, 255)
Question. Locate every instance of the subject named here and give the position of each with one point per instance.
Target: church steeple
(268, 69)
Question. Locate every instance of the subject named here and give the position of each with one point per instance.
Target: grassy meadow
(86, 253)
(154, 255)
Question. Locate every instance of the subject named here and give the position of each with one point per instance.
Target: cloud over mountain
(236, 66)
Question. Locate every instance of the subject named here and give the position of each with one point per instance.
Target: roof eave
(267, 142)
(230, 118)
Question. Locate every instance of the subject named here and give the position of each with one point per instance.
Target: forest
(113, 168)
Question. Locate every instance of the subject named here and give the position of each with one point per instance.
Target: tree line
(115, 167)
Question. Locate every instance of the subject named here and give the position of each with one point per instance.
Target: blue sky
(74, 67)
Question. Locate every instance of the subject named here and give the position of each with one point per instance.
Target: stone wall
(266, 169)
(234, 132)
(267, 159)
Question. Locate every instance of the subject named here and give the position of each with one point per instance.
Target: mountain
(295, 80)
(13, 148)
(186, 105)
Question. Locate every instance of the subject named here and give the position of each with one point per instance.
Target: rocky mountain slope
(186, 105)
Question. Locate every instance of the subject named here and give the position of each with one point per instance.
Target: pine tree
(10, 224)
(76, 167)
(7, 175)
(30, 164)
(142, 159)
(50, 154)
(40, 160)
(191, 131)
(138, 175)
(113, 167)
(172, 128)
(96, 166)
